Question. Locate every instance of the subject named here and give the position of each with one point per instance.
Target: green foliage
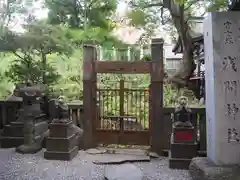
(75, 13)
(56, 50)
(45, 38)
(38, 38)
(21, 69)
(217, 5)
(147, 57)
(138, 18)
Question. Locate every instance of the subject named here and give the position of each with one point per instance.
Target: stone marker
(123, 172)
(222, 72)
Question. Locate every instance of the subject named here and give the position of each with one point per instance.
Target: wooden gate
(123, 114)
(96, 114)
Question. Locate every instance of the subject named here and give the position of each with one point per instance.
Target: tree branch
(146, 5)
(189, 5)
(16, 54)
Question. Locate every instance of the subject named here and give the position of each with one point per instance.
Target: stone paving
(14, 166)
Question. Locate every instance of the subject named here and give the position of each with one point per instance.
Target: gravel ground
(14, 166)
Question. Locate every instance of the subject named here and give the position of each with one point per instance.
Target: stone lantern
(35, 128)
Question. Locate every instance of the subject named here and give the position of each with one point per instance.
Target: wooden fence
(9, 109)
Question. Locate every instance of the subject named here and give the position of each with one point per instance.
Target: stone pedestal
(13, 134)
(62, 142)
(183, 147)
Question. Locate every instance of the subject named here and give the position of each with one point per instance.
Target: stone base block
(201, 168)
(15, 129)
(177, 163)
(182, 150)
(61, 144)
(64, 156)
(10, 142)
(61, 130)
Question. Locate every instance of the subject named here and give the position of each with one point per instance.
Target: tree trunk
(44, 65)
(187, 65)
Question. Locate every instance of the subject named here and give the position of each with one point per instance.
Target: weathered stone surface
(201, 168)
(14, 98)
(119, 159)
(125, 151)
(221, 44)
(61, 144)
(153, 155)
(60, 130)
(123, 172)
(96, 151)
(183, 150)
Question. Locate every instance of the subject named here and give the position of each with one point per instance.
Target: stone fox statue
(58, 112)
(182, 113)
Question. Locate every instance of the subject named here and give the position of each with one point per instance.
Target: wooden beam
(123, 67)
(156, 113)
(89, 95)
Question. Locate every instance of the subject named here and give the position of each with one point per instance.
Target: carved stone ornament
(182, 113)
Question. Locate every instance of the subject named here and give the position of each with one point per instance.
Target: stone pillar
(89, 94)
(156, 95)
(222, 72)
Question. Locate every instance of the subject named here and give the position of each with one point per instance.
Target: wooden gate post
(89, 94)
(156, 95)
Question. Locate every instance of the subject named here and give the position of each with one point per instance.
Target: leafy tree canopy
(75, 13)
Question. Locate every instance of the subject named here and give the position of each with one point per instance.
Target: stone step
(199, 153)
(202, 153)
(183, 150)
(16, 123)
(64, 156)
(10, 142)
(16, 129)
(61, 144)
(12, 130)
(178, 163)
